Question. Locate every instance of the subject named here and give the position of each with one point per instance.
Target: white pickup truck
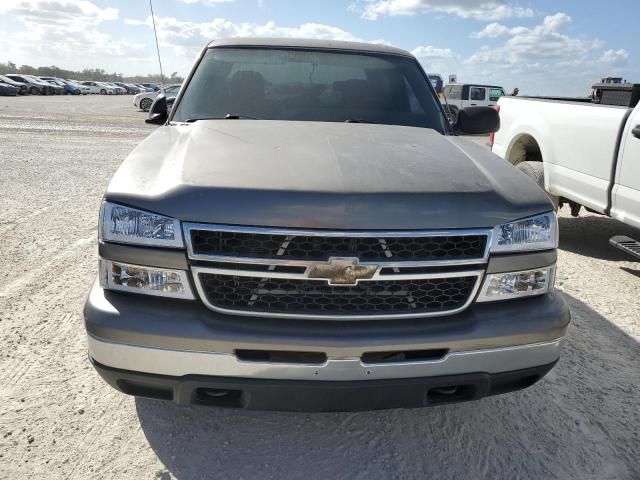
(581, 153)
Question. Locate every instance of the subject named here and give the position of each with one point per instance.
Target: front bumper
(301, 395)
(173, 341)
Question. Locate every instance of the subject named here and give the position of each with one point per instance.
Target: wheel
(145, 104)
(535, 171)
(103, 92)
(34, 91)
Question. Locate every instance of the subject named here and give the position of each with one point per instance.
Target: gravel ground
(59, 420)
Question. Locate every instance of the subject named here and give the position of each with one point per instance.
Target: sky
(543, 47)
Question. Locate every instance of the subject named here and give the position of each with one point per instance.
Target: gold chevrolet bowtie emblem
(342, 271)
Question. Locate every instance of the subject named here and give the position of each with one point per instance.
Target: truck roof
(308, 43)
(475, 85)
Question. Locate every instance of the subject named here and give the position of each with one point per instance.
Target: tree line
(96, 74)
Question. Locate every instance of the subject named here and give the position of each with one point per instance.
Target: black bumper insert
(303, 395)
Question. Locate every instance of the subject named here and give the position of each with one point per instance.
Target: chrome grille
(335, 274)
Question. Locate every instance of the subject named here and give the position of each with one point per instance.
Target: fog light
(501, 286)
(145, 280)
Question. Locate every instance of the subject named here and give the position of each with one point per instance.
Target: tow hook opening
(221, 397)
(451, 393)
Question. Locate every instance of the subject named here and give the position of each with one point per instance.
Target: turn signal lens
(501, 286)
(146, 280)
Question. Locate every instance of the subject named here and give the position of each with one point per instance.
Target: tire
(535, 171)
(145, 104)
(34, 91)
(103, 92)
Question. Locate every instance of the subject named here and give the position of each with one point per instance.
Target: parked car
(53, 88)
(306, 232)
(99, 88)
(68, 87)
(129, 89)
(58, 89)
(7, 90)
(118, 90)
(134, 89)
(143, 89)
(107, 89)
(84, 89)
(59, 85)
(94, 88)
(152, 86)
(581, 153)
(35, 87)
(462, 95)
(143, 101)
(23, 89)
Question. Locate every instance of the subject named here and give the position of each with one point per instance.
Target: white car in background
(100, 88)
(118, 89)
(143, 101)
(108, 89)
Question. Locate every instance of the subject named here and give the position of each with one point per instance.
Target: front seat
(246, 94)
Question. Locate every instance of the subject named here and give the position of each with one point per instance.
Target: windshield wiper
(228, 116)
(359, 120)
(236, 116)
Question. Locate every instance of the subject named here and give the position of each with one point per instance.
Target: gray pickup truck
(306, 231)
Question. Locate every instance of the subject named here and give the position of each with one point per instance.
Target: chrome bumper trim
(180, 362)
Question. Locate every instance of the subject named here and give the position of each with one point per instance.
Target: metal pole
(153, 19)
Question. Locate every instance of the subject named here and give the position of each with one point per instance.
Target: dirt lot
(59, 420)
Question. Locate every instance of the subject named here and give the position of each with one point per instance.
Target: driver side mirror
(158, 113)
(477, 120)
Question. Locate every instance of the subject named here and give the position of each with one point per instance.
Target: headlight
(129, 225)
(533, 233)
(501, 286)
(156, 281)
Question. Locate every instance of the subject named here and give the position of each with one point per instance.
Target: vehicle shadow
(581, 421)
(635, 272)
(597, 230)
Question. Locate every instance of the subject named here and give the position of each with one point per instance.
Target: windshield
(310, 85)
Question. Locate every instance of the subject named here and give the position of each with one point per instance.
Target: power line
(153, 19)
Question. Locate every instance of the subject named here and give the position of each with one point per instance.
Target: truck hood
(322, 175)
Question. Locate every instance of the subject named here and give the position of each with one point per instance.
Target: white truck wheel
(535, 171)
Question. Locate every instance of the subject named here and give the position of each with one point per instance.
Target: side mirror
(170, 102)
(158, 113)
(477, 120)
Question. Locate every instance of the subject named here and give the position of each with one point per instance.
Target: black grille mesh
(321, 248)
(316, 297)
